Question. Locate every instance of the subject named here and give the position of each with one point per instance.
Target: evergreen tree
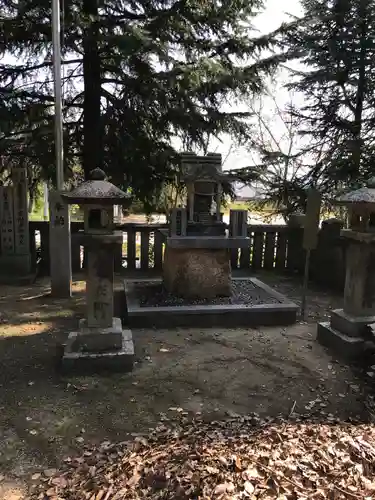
(136, 75)
(335, 45)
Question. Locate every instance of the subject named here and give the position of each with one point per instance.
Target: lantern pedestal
(94, 349)
(348, 329)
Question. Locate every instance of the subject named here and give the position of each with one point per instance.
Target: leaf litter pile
(240, 458)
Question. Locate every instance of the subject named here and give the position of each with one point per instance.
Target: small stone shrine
(15, 256)
(197, 246)
(101, 342)
(350, 327)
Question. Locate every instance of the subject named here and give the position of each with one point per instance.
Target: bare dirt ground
(217, 372)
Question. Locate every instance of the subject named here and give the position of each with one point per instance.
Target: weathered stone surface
(88, 362)
(359, 294)
(60, 249)
(197, 272)
(7, 220)
(99, 288)
(97, 339)
(343, 344)
(97, 342)
(353, 326)
(21, 213)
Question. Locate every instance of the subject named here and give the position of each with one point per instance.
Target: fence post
(237, 227)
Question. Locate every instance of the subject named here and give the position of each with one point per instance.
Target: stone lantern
(348, 326)
(101, 340)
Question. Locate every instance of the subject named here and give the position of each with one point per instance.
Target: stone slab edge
(119, 360)
(353, 326)
(342, 344)
(284, 312)
(271, 291)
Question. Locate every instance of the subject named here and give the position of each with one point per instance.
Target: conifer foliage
(335, 45)
(137, 73)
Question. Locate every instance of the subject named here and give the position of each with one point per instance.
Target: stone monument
(348, 328)
(101, 341)
(15, 258)
(197, 257)
(60, 246)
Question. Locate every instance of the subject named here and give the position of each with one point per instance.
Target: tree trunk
(92, 129)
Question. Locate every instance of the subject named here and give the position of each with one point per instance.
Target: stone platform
(251, 303)
(344, 345)
(345, 333)
(94, 349)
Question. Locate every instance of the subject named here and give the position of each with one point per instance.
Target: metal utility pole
(59, 220)
(56, 55)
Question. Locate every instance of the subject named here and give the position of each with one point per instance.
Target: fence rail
(142, 247)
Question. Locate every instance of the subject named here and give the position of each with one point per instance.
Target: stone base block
(353, 326)
(197, 272)
(91, 339)
(344, 345)
(77, 358)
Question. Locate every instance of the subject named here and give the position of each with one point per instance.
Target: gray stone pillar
(359, 291)
(21, 219)
(60, 249)
(99, 287)
(7, 221)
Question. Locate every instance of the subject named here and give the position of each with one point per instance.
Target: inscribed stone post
(99, 288)
(7, 222)
(21, 212)
(60, 251)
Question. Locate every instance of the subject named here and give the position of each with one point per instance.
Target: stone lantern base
(345, 333)
(92, 349)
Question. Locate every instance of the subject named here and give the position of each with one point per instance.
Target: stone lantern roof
(96, 191)
(362, 196)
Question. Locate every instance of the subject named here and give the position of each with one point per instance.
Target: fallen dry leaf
(243, 457)
(248, 487)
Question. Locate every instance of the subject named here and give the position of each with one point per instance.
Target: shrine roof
(204, 168)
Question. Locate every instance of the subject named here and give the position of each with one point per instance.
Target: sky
(276, 12)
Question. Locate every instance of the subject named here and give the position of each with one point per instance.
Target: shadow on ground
(217, 372)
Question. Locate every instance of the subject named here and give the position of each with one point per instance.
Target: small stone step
(343, 344)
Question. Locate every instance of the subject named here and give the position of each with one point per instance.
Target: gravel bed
(244, 292)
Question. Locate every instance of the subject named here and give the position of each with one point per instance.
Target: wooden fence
(271, 247)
